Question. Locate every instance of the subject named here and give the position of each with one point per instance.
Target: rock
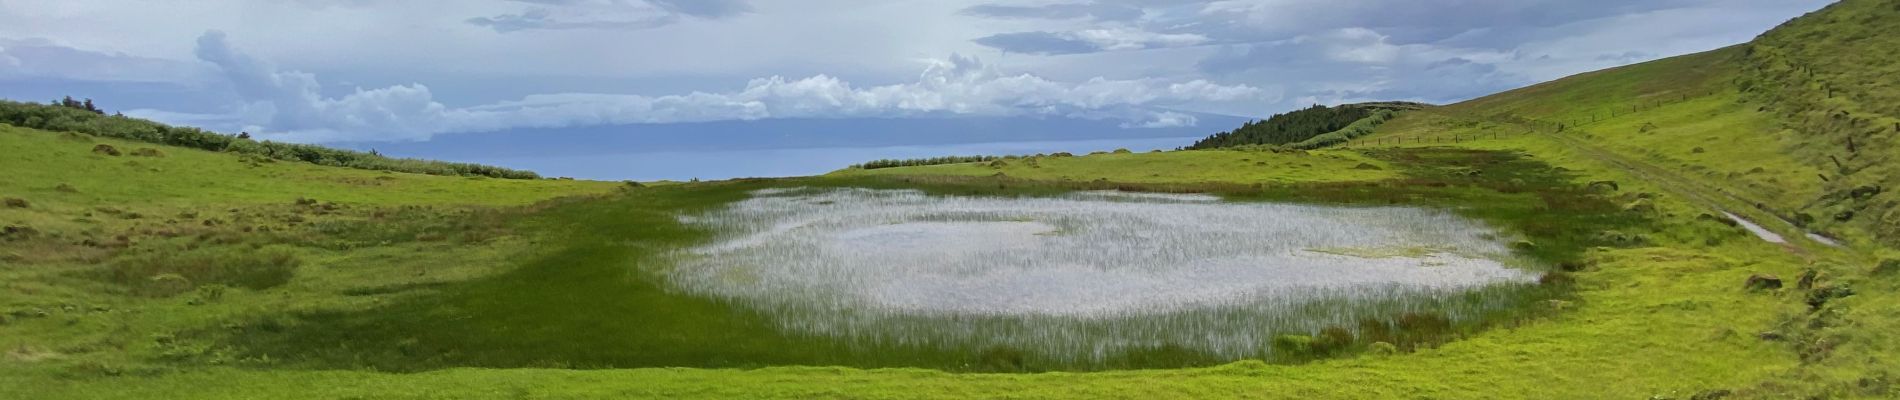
(1864, 192)
(1603, 186)
(105, 149)
(1762, 282)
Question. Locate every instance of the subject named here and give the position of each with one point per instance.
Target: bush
(105, 149)
(1293, 345)
(168, 273)
(1382, 349)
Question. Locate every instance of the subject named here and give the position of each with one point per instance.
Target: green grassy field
(192, 274)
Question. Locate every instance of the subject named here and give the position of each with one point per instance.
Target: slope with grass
(469, 288)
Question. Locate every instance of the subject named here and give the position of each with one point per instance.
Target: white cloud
(608, 14)
(1128, 39)
(1165, 119)
(289, 105)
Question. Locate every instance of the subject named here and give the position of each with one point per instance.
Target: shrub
(1293, 345)
(105, 149)
(1382, 349)
(1332, 340)
(889, 163)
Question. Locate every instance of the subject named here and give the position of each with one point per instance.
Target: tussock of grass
(168, 273)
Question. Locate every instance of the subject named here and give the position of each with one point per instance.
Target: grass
(467, 288)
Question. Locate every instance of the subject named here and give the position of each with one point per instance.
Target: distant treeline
(68, 115)
(1298, 126)
(1362, 127)
(924, 161)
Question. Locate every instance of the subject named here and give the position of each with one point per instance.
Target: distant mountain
(781, 134)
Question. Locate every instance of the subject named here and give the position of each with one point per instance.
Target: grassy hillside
(68, 115)
(1828, 78)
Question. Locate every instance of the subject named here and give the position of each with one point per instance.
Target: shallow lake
(1085, 274)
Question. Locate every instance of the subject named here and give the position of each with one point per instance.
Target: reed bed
(1088, 275)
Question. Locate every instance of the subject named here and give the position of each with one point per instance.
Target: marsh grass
(1124, 272)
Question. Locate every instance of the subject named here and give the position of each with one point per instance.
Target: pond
(1086, 275)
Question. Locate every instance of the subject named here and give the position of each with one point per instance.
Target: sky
(435, 75)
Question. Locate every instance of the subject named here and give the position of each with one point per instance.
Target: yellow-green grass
(1668, 319)
(1195, 166)
(37, 162)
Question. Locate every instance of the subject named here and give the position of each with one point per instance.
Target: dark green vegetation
(914, 162)
(1299, 126)
(82, 117)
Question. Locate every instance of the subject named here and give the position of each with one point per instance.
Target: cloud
(1164, 119)
(289, 105)
(1226, 22)
(705, 8)
(1360, 64)
(42, 58)
(1096, 11)
(609, 14)
(1088, 41)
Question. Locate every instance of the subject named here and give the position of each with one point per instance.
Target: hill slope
(1798, 124)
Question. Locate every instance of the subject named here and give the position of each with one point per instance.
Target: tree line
(913, 162)
(68, 115)
(1299, 125)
